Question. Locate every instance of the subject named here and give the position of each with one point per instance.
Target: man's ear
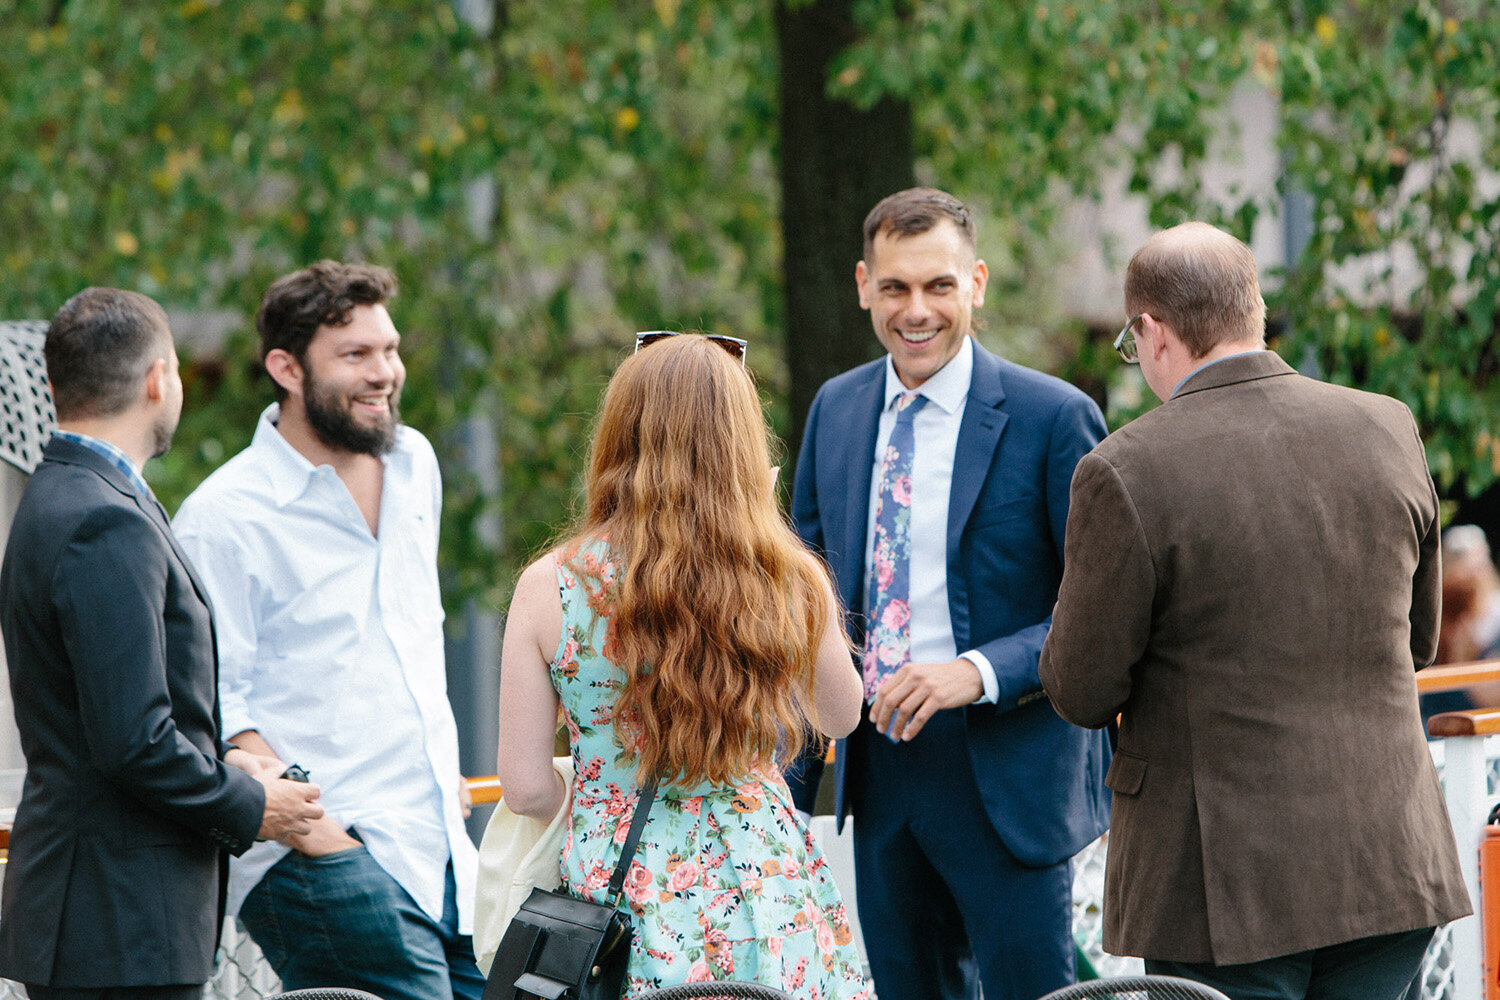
(285, 370)
(861, 281)
(1160, 333)
(981, 279)
(156, 381)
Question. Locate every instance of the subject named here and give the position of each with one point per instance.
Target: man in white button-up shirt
(318, 544)
(971, 794)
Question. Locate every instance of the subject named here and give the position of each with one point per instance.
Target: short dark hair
(321, 295)
(98, 347)
(913, 211)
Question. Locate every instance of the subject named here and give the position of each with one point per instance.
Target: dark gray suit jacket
(116, 871)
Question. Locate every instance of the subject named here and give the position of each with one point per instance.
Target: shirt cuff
(986, 677)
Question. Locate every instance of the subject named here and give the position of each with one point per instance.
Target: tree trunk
(836, 163)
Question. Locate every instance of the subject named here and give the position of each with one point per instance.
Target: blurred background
(546, 178)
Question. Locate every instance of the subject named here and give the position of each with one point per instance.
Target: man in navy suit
(972, 795)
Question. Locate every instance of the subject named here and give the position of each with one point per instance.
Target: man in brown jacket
(1251, 581)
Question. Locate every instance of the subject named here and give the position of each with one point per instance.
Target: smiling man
(935, 481)
(319, 547)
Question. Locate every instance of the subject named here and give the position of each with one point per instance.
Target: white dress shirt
(331, 647)
(935, 428)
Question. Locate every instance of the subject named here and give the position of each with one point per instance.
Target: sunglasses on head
(733, 345)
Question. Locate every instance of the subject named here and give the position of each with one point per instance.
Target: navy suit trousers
(943, 904)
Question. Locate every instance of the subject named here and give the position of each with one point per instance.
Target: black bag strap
(632, 839)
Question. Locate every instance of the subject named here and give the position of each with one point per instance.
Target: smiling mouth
(381, 403)
(917, 336)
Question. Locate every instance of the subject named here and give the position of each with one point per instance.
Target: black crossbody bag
(559, 947)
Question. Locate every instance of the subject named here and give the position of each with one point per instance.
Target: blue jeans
(340, 920)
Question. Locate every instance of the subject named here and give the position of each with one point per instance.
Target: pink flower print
(638, 884)
(716, 946)
(621, 832)
(885, 570)
(825, 937)
(892, 654)
(773, 945)
(789, 869)
(693, 805)
(901, 491)
(597, 878)
(896, 615)
(699, 973)
(683, 876)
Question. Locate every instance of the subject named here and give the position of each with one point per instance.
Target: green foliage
(196, 149)
(1390, 127)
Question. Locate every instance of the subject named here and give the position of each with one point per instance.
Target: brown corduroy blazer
(1252, 579)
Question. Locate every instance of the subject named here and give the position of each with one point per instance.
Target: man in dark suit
(131, 798)
(1252, 582)
(935, 481)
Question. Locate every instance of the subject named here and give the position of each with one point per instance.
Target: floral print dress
(726, 882)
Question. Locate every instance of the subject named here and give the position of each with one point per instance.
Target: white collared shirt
(331, 647)
(936, 431)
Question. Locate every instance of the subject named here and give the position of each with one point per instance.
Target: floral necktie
(888, 594)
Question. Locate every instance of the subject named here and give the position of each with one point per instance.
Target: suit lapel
(153, 509)
(68, 452)
(978, 435)
(863, 415)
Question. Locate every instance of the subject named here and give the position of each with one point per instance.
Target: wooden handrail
(1457, 676)
(485, 788)
(1469, 722)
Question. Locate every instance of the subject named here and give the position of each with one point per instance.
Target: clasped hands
(917, 691)
(292, 810)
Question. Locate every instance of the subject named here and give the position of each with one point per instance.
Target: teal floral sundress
(726, 882)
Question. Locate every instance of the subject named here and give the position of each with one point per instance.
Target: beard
(161, 439)
(328, 416)
(161, 435)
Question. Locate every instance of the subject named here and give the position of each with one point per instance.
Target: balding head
(1201, 282)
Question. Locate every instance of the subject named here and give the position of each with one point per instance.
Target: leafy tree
(586, 169)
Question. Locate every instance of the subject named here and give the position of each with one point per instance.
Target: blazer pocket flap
(1126, 772)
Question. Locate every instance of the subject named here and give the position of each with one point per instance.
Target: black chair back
(717, 991)
(1137, 988)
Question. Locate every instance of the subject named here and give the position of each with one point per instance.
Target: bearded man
(318, 544)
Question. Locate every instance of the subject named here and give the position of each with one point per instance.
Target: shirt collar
(1209, 364)
(113, 455)
(289, 470)
(948, 387)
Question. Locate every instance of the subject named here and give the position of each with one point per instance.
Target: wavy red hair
(717, 607)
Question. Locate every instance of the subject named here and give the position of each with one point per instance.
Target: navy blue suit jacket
(1042, 779)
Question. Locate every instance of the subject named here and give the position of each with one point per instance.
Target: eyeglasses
(1125, 342)
(734, 345)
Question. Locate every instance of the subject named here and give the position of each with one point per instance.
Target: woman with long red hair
(688, 636)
